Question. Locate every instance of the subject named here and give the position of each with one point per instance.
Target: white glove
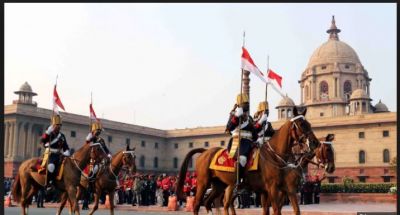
(260, 141)
(89, 136)
(263, 119)
(49, 129)
(46, 145)
(66, 153)
(239, 112)
(109, 156)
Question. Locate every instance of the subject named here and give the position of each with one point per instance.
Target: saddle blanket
(42, 169)
(222, 162)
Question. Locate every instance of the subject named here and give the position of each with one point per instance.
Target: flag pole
(49, 152)
(90, 111)
(266, 97)
(240, 120)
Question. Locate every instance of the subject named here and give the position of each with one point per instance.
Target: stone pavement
(314, 209)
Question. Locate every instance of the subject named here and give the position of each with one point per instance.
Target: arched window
(289, 113)
(142, 161)
(175, 162)
(386, 157)
(155, 162)
(283, 113)
(323, 90)
(361, 157)
(347, 87)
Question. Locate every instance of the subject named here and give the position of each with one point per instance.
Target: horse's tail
(16, 189)
(182, 172)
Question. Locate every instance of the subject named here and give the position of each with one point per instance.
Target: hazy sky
(178, 65)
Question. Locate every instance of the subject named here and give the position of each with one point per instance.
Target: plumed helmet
(56, 120)
(242, 98)
(96, 126)
(262, 106)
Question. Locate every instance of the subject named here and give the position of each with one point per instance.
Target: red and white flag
(57, 101)
(273, 77)
(275, 80)
(92, 113)
(249, 65)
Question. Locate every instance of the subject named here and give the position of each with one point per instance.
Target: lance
(90, 110)
(49, 152)
(266, 96)
(240, 119)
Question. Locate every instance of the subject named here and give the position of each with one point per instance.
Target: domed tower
(380, 107)
(285, 108)
(333, 72)
(25, 95)
(359, 103)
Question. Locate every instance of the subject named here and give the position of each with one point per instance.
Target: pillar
(16, 139)
(6, 138)
(11, 139)
(29, 141)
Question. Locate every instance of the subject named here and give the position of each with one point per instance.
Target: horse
(274, 155)
(28, 181)
(106, 178)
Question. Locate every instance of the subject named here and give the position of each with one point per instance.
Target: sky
(171, 66)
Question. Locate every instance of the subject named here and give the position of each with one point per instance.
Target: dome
(380, 107)
(359, 94)
(333, 51)
(25, 88)
(286, 102)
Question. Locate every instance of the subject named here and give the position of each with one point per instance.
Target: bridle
(295, 128)
(124, 165)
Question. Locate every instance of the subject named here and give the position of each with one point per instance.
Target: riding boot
(50, 181)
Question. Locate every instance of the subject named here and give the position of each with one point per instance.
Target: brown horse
(28, 181)
(106, 178)
(325, 156)
(274, 155)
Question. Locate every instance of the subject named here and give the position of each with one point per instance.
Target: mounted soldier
(239, 113)
(56, 146)
(262, 126)
(94, 138)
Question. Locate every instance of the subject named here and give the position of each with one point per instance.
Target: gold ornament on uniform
(56, 120)
(96, 126)
(243, 98)
(262, 106)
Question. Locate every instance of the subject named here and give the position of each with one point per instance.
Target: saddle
(223, 162)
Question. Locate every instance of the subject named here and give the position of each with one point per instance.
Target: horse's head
(128, 159)
(96, 152)
(325, 153)
(301, 130)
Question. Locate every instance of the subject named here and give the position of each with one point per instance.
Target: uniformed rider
(247, 134)
(55, 145)
(94, 137)
(262, 127)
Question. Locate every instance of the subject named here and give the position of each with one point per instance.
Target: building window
(386, 178)
(206, 144)
(142, 161)
(109, 139)
(385, 134)
(347, 66)
(323, 90)
(175, 163)
(362, 179)
(323, 67)
(143, 144)
(347, 89)
(222, 143)
(289, 113)
(73, 134)
(283, 113)
(331, 180)
(155, 162)
(176, 145)
(156, 145)
(361, 135)
(306, 92)
(361, 157)
(386, 158)
(128, 141)
(191, 145)
(321, 114)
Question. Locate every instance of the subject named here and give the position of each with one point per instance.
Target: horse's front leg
(62, 203)
(111, 198)
(273, 196)
(264, 203)
(97, 194)
(73, 200)
(228, 201)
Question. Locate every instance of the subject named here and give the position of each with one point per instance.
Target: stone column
(6, 138)
(302, 93)
(11, 139)
(29, 141)
(16, 139)
(314, 89)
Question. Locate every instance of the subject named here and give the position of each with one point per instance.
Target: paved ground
(320, 209)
